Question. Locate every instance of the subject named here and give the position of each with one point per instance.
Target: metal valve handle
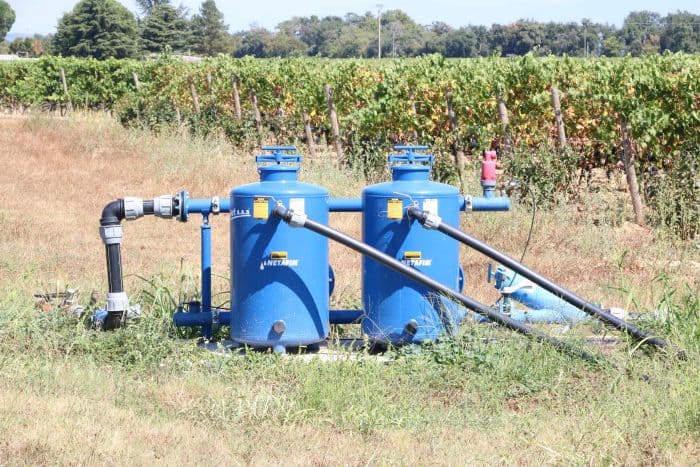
(410, 156)
(279, 155)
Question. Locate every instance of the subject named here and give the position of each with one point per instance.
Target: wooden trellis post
(505, 124)
(628, 160)
(256, 115)
(556, 105)
(308, 133)
(236, 97)
(334, 121)
(195, 96)
(457, 152)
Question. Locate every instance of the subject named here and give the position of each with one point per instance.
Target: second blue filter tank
(279, 283)
(398, 310)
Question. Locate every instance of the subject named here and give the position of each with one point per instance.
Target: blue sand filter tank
(279, 277)
(397, 309)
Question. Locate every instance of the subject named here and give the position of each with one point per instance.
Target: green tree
(209, 33)
(147, 5)
(640, 32)
(461, 43)
(7, 19)
(612, 46)
(522, 37)
(435, 38)
(681, 32)
(97, 28)
(29, 46)
(165, 29)
(254, 42)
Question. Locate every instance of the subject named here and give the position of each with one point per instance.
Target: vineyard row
(378, 103)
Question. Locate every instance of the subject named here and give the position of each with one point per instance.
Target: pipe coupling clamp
(432, 221)
(133, 208)
(163, 206)
(215, 205)
(111, 234)
(297, 219)
(468, 203)
(117, 302)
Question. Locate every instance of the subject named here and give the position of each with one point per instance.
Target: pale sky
(41, 16)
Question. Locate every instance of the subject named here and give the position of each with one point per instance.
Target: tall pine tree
(97, 28)
(165, 29)
(209, 33)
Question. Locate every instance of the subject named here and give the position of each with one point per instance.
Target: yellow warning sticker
(394, 208)
(260, 208)
(412, 255)
(279, 255)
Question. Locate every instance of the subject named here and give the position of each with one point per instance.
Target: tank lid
(410, 165)
(410, 156)
(279, 165)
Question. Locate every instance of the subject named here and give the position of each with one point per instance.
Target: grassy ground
(71, 395)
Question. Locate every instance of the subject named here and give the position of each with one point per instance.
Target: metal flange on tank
(398, 310)
(279, 277)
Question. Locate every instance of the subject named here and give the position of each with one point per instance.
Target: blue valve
(279, 155)
(411, 156)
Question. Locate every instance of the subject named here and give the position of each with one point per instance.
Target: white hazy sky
(41, 16)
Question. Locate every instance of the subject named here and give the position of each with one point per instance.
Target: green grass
(524, 394)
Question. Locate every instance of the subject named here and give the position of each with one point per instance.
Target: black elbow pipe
(566, 295)
(287, 216)
(113, 213)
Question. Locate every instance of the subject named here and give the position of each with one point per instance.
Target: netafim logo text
(417, 262)
(277, 263)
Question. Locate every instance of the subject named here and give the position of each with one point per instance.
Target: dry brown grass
(85, 417)
(56, 176)
(58, 173)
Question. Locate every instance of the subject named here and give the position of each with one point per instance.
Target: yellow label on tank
(260, 208)
(394, 208)
(412, 255)
(279, 255)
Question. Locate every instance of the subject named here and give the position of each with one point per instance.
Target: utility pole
(379, 31)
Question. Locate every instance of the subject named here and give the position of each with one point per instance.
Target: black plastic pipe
(301, 221)
(113, 214)
(566, 295)
(114, 268)
(148, 207)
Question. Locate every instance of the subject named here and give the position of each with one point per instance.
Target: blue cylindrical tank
(397, 309)
(279, 274)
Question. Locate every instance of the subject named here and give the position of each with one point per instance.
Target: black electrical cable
(532, 223)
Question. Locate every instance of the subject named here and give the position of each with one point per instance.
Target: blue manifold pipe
(345, 204)
(470, 203)
(484, 204)
(201, 318)
(346, 316)
(196, 317)
(542, 316)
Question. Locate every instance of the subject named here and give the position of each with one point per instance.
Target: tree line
(105, 28)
